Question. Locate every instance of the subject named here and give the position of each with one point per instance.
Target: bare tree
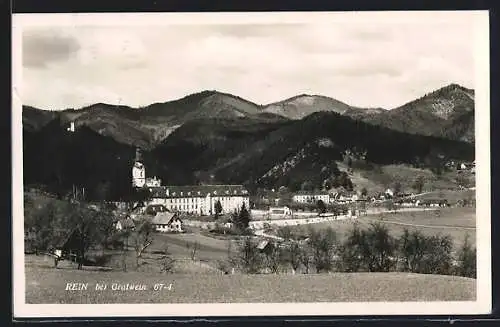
(306, 258)
(248, 256)
(293, 256)
(193, 249)
(275, 257)
(143, 238)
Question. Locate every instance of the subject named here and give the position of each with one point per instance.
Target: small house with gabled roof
(167, 222)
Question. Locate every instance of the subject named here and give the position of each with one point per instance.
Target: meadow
(48, 285)
(456, 222)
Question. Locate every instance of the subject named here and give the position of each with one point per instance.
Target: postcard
(251, 164)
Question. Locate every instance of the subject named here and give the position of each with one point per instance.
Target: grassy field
(48, 285)
(456, 222)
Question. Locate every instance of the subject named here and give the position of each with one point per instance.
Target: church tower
(138, 171)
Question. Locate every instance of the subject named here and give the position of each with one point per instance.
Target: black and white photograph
(226, 164)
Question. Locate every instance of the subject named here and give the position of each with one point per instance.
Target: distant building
(311, 197)
(138, 171)
(278, 212)
(71, 127)
(389, 193)
(192, 199)
(167, 222)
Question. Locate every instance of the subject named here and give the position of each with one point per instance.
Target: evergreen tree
(218, 209)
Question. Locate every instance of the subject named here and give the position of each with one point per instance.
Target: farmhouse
(192, 199)
(311, 197)
(67, 245)
(167, 222)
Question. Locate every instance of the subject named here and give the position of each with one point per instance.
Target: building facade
(192, 199)
(200, 199)
(311, 197)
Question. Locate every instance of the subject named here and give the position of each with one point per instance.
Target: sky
(362, 62)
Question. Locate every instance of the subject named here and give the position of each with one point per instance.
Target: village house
(191, 199)
(433, 203)
(343, 197)
(125, 224)
(67, 245)
(311, 197)
(167, 222)
(279, 212)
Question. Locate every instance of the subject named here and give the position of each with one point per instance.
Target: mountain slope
(442, 113)
(59, 159)
(146, 127)
(303, 105)
(295, 151)
(34, 119)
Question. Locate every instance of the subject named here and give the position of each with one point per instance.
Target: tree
(193, 249)
(412, 250)
(41, 224)
(321, 206)
(323, 244)
(285, 232)
(218, 209)
(167, 262)
(397, 188)
(390, 206)
(364, 192)
(292, 255)
(242, 219)
(275, 257)
(425, 254)
(352, 250)
(418, 184)
(306, 257)
(466, 259)
(379, 248)
(143, 238)
(248, 256)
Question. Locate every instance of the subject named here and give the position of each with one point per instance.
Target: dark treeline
(227, 151)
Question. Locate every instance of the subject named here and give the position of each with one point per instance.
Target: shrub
(324, 245)
(466, 260)
(352, 250)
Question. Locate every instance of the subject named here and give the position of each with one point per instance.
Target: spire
(138, 155)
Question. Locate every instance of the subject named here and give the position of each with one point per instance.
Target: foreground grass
(45, 285)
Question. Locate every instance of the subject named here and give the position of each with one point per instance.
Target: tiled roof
(311, 193)
(163, 218)
(127, 223)
(197, 191)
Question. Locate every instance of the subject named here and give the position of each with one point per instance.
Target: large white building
(193, 199)
(200, 199)
(311, 197)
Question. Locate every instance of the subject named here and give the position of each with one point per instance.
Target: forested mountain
(219, 138)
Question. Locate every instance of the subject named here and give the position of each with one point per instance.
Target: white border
(481, 86)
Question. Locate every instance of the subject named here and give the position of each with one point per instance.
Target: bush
(466, 260)
(352, 251)
(324, 245)
(425, 254)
